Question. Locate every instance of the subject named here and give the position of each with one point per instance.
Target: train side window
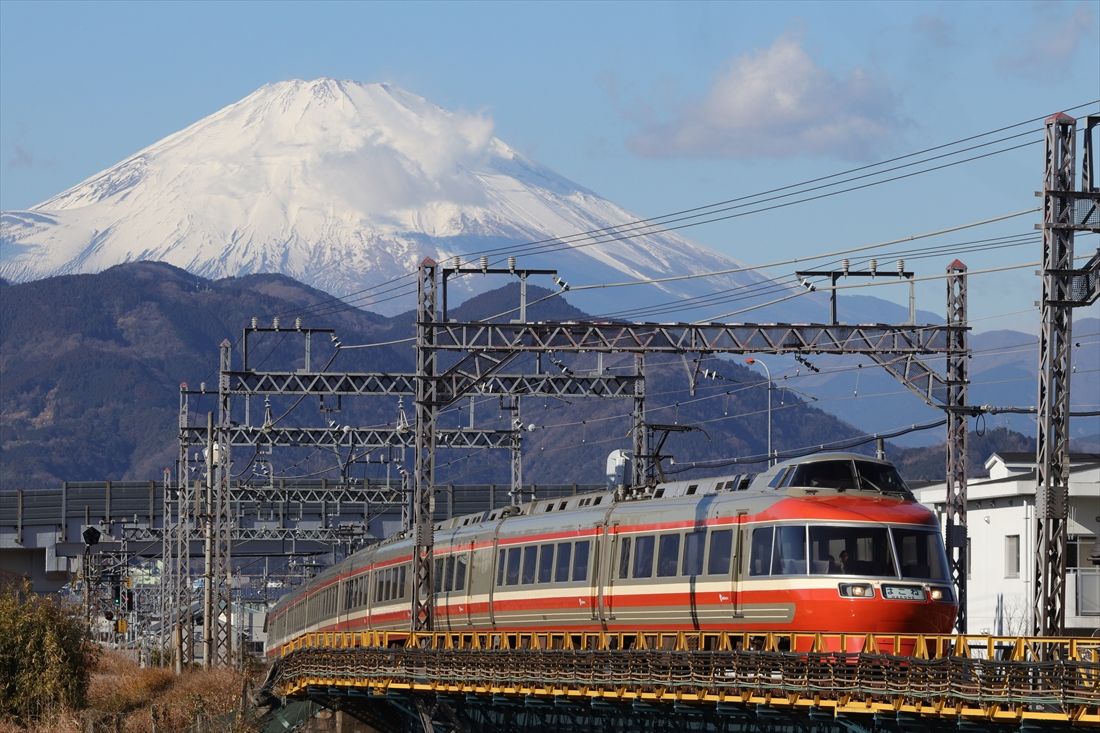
(512, 574)
(449, 573)
(643, 557)
(561, 570)
(530, 558)
(777, 480)
(760, 561)
(668, 555)
(401, 578)
(694, 545)
(789, 554)
(438, 572)
(580, 561)
(460, 572)
(500, 567)
(546, 563)
(718, 559)
(624, 557)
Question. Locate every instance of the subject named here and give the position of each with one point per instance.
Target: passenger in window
(843, 566)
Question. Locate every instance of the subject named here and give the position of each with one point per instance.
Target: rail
(995, 679)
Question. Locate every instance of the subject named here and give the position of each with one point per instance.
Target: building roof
(1028, 458)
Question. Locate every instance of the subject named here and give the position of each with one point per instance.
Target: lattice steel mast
(1063, 289)
(958, 354)
(427, 412)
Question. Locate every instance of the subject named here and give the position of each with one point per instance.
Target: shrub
(46, 654)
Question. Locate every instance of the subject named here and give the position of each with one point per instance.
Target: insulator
(511, 264)
(484, 262)
(255, 322)
(845, 265)
(873, 266)
(275, 323)
(456, 261)
(298, 324)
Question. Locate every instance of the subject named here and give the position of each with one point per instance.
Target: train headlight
(936, 594)
(856, 590)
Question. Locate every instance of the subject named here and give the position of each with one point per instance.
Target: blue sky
(656, 106)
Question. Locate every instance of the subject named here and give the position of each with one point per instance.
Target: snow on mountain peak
(336, 183)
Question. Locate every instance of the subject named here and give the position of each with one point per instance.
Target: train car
(831, 542)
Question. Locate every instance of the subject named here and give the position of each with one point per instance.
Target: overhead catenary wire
(342, 302)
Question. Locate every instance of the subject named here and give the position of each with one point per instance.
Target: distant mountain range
(90, 367)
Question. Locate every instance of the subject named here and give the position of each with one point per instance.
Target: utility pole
(208, 551)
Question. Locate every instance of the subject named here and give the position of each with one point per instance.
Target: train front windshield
(863, 550)
(921, 553)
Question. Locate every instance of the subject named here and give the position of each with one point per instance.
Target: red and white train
(832, 542)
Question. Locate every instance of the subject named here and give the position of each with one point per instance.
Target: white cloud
(1054, 38)
(778, 103)
(414, 166)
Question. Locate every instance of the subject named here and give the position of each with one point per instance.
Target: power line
(653, 221)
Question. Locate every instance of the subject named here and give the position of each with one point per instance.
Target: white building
(1001, 536)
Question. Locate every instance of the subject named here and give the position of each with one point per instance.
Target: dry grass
(119, 687)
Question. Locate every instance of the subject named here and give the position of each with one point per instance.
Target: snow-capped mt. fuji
(343, 186)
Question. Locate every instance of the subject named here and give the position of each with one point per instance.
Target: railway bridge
(690, 681)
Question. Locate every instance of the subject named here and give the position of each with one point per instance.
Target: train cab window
(789, 554)
(624, 557)
(643, 557)
(530, 558)
(760, 561)
(511, 576)
(694, 544)
(721, 547)
(668, 555)
(546, 563)
(824, 474)
(580, 561)
(561, 569)
(460, 572)
(880, 477)
(777, 480)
